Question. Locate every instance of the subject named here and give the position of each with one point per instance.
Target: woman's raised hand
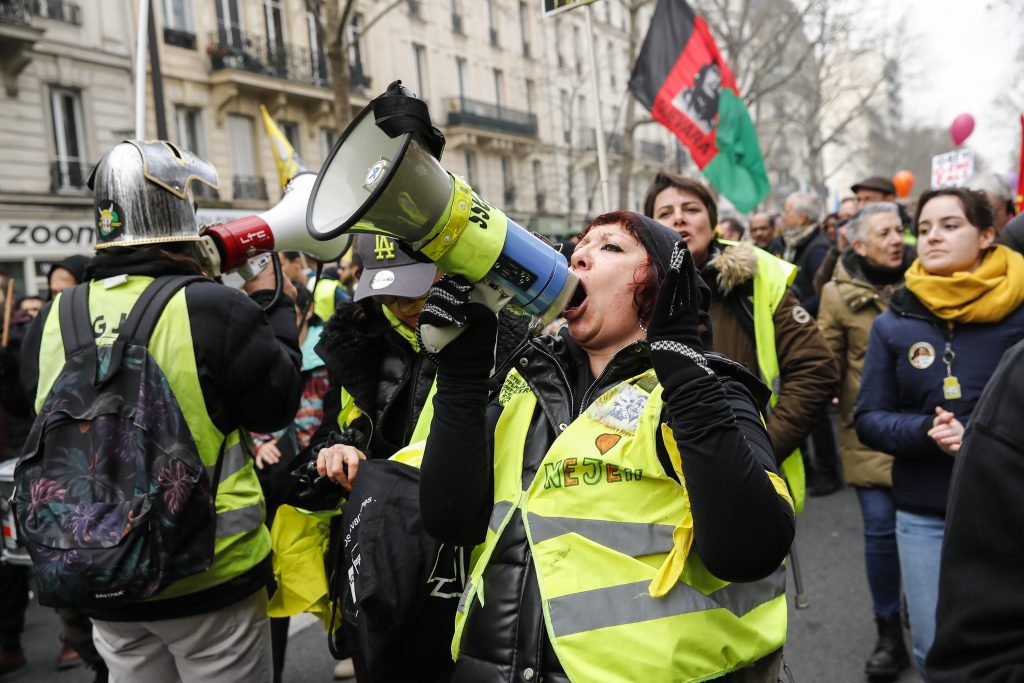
(471, 354)
(673, 332)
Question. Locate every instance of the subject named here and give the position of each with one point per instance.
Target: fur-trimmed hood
(730, 265)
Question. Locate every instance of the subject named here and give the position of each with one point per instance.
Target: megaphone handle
(485, 292)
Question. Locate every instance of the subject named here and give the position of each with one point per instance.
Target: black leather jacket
(505, 640)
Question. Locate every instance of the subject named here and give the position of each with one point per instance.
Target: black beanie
(660, 241)
(73, 264)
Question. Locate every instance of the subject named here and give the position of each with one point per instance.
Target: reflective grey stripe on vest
(465, 596)
(631, 603)
(498, 513)
(235, 459)
(240, 520)
(629, 538)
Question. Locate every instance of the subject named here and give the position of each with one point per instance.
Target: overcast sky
(963, 53)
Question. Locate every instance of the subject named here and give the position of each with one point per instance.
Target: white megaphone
(245, 244)
(383, 177)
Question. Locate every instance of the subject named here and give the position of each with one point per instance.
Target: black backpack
(113, 501)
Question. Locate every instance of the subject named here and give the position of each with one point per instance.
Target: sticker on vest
(513, 386)
(921, 355)
(620, 409)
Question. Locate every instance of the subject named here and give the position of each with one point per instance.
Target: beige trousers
(230, 645)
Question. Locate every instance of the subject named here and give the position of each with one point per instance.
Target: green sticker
(109, 219)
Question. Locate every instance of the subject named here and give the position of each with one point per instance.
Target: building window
(611, 64)
(318, 62)
(563, 97)
(462, 71)
(456, 17)
(247, 184)
(328, 136)
(577, 51)
(355, 43)
(499, 87)
(530, 88)
(492, 22)
(470, 159)
(508, 185)
(189, 122)
(419, 54)
(523, 29)
(229, 23)
(538, 185)
(558, 46)
(68, 171)
(291, 132)
(415, 11)
(178, 27)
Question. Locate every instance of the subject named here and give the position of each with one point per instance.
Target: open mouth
(577, 298)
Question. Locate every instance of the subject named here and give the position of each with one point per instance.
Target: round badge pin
(382, 279)
(921, 355)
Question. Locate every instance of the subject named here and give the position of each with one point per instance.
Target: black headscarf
(75, 265)
(659, 241)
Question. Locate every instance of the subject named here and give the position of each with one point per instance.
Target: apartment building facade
(512, 91)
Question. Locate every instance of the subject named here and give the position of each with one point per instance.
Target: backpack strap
(73, 309)
(138, 326)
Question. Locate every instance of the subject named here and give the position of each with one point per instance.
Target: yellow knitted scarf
(989, 294)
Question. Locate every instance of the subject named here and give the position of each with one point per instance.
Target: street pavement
(828, 641)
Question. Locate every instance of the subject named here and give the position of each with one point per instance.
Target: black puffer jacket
(505, 640)
(387, 379)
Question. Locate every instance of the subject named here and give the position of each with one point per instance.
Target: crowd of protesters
(768, 358)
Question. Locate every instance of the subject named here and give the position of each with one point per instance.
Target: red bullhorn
(229, 246)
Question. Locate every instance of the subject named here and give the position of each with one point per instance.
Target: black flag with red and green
(681, 77)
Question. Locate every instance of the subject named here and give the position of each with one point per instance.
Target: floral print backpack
(113, 501)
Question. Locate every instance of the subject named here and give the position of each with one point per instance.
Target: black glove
(470, 356)
(673, 332)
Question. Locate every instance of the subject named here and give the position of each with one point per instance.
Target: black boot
(890, 655)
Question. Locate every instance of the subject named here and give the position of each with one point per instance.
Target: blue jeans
(920, 546)
(881, 558)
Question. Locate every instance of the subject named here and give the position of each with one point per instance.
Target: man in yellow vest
(232, 364)
(757, 321)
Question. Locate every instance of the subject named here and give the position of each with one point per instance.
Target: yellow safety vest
(323, 297)
(610, 532)
(771, 282)
(242, 540)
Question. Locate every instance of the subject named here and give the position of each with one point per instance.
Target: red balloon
(961, 129)
(904, 182)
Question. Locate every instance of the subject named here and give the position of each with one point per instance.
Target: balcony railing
(14, 12)
(178, 38)
(232, 49)
(249, 187)
(68, 175)
(58, 10)
(466, 112)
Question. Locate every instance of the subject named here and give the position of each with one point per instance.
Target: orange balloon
(904, 182)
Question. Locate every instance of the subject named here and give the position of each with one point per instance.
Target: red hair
(646, 280)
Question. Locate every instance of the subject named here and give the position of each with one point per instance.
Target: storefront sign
(41, 237)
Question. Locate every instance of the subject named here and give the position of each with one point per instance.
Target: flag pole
(602, 151)
(142, 32)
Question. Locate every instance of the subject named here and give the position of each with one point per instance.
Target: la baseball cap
(389, 271)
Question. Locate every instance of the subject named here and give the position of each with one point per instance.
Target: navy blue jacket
(897, 399)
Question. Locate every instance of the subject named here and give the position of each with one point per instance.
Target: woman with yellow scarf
(928, 359)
